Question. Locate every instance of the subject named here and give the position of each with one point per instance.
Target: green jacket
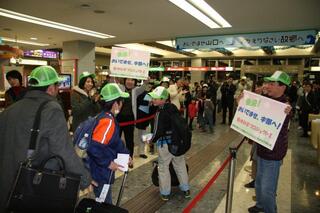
(53, 139)
(82, 107)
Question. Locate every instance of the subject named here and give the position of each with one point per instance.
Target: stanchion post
(233, 153)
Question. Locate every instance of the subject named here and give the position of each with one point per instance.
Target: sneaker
(186, 194)
(143, 156)
(164, 197)
(250, 185)
(255, 209)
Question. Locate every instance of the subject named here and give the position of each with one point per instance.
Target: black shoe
(143, 156)
(186, 194)
(255, 209)
(164, 197)
(249, 185)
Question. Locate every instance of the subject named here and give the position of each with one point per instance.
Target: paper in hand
(123, 160)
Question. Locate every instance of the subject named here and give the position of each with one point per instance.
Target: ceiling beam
(269, 50)
(167, 48)
(316, 47)
(224, 51)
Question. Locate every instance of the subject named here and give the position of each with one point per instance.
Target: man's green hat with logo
(279, 76)
(86, 74)
(111, 92)
(44, 76)
(159, 93)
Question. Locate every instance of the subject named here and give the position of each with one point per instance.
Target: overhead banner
(259, 118)
(291, 38)
(128, 63)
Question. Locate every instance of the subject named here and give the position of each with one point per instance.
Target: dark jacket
(53, 139)
(82, 107)
(227, 94)
(14, 94)
(144, 109)
(281, 146)
(162, 124)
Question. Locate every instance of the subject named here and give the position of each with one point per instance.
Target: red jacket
(192, 110)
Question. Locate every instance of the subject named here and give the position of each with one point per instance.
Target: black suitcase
(88, 205)
(174, 178)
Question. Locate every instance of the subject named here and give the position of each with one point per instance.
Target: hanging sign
(291, 38)
(128, 63)
(259, 118)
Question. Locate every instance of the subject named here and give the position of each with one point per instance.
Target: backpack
(85, 130)
(181, 135)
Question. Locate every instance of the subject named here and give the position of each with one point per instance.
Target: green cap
(159, 93)
(86, 74)
(45, 76)
(279, 76)
(112, 91)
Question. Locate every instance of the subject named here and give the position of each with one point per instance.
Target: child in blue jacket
(106, 142)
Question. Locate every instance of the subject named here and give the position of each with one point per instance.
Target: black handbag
(37, 189)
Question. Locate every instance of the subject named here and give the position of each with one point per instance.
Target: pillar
(197, 76)
(83, 52)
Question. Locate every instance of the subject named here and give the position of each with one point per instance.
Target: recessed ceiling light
(85, 6)
(99, 11)
(24, 42)
(33, 38)
(48, 23)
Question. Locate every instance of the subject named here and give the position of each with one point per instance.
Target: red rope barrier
(206, 188)
(137, 121)
(199, 196)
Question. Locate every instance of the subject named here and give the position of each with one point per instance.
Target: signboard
(271, 68)
(199, 69)
(128, 63)
(291, 38)
(41, 54)
(259, 118)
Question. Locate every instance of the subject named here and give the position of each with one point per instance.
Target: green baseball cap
(279, 76)
(112, 91)
(86, 74)
(159, 93)
(45, 76)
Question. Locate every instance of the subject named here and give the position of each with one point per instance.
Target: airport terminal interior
(193, 41)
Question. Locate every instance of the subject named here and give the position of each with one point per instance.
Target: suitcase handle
(59, 159)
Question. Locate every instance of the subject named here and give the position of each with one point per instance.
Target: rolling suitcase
(88, 205)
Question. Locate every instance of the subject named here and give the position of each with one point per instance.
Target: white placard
(128, 63)
(123, 160)
(259, 118)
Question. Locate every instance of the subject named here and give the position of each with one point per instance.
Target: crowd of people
(129, 100)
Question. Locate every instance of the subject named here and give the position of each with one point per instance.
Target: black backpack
(181, 135)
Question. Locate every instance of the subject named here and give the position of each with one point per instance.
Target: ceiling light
(209, 11)
(47, 23)
(24, 42)
(32, 38)
(186, 6)
(169, 43)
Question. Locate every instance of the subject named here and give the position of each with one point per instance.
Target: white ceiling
(151, 20)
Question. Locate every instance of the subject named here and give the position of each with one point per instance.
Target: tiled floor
(298, 186)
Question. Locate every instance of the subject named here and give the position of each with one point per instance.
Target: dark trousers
(304, 122)
(228, 107)
(128, 136)
(190, 123)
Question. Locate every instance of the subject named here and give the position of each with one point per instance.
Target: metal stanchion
(233, 153)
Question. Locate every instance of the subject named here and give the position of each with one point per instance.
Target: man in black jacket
(162, 134)
(228, 90)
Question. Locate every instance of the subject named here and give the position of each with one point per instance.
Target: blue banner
(290, 38)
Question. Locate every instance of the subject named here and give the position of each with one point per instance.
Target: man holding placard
(269, 161)
(269, 128)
